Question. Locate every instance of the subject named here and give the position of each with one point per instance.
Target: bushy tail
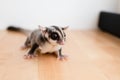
(18, 29)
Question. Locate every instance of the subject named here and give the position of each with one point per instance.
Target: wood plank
(92, 55)
(12, 64)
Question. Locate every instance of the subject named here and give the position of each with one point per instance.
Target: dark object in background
(110, 22)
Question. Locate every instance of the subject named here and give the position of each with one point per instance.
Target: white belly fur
(49, 48)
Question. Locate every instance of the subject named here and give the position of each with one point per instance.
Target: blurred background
(78, 14)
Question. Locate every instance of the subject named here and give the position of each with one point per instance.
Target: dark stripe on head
(58, 29)
(48, 30)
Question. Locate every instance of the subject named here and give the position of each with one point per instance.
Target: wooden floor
(93, 55)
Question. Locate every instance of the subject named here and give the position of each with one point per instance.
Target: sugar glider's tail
(18, 29)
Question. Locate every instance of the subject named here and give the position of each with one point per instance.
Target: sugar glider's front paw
(62, 57)
(30, 56)
(24, 47)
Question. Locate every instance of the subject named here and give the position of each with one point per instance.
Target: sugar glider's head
(55, 35)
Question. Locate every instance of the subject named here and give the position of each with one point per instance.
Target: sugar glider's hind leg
(27, 44)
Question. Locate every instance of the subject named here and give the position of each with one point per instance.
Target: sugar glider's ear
(42, 28)
(65, 28)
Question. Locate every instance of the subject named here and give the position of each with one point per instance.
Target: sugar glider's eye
(54, 36)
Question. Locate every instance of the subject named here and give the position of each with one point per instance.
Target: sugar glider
(47, 39)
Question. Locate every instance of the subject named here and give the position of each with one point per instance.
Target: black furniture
(110, 22)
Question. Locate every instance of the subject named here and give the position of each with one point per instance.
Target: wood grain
(92, 55)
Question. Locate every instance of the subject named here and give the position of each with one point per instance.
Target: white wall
(118, 6)
(82, 14)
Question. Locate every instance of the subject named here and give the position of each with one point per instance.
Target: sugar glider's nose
(61, 42)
